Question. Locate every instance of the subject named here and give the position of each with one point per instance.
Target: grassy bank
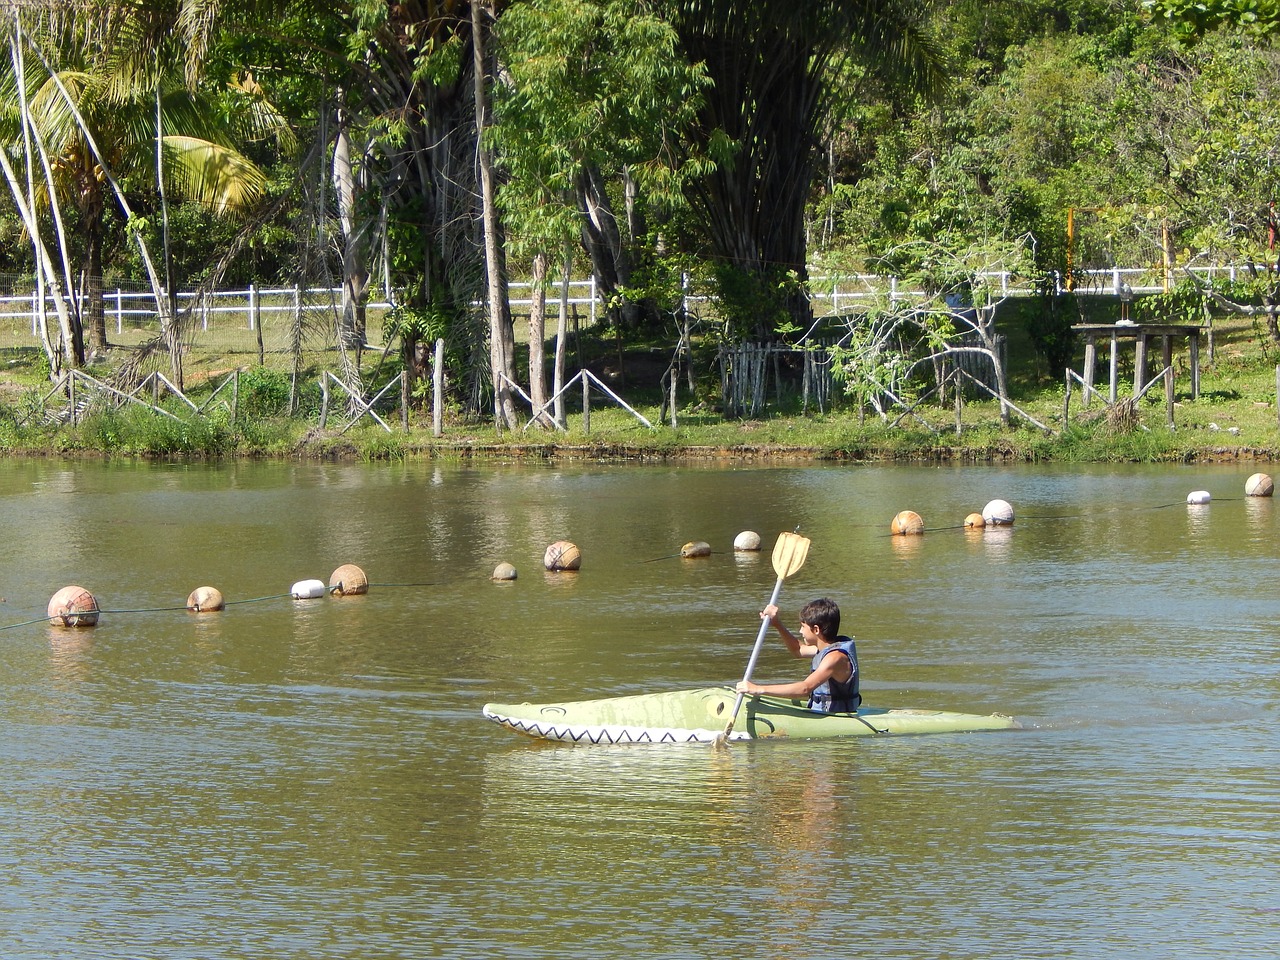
(1234, 417)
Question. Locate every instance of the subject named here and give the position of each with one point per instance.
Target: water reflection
(312, 778)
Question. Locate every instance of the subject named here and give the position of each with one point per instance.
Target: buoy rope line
(427, 583)
(274, 596)
(27, 623)
(69, 603)
(103, 610)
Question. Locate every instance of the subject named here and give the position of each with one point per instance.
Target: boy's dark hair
(824, 616)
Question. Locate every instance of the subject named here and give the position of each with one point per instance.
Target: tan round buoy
(998, 513)
(747, 541)
(73, 607)
(503, 571)
(1259, 485)
(696, 548)
(348, 581)
(205, 600)
(562, 555)
(907, 523)
(975, 521)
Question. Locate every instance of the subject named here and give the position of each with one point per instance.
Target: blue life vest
(834, 696)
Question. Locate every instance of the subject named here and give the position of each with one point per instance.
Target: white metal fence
(247, 308)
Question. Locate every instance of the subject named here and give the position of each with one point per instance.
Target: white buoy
(73, 607)
(1259, 485)
(998, 513)
(205, 600)
(1198, 497)
(307, 589)
(747, 541)
(348, 581)
(562, 555)
(503, 571)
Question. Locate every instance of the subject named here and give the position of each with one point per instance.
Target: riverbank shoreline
(611, 452)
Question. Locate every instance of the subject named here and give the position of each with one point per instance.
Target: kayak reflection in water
(832, 684)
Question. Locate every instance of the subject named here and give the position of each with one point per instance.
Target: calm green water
(313, 779)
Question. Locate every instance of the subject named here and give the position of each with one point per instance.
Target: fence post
(593, 299)
(35, 314)
(253, 306)
(437, 391)
(404, 400)
(119, 311)
(586, 399)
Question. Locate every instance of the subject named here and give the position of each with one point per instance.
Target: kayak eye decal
(553, 711)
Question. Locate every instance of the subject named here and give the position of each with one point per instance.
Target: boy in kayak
(832, 684)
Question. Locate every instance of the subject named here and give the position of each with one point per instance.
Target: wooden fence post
(437, 391)
(404, 400)
(959, 398)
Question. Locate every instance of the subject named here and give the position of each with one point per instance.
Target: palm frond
(219, 177)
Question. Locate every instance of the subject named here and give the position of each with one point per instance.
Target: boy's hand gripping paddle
(788, 556)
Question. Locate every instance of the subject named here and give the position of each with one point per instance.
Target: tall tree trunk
(93, 211)
(45, 274)
(172, 334)
(557, 379)
(501, 333)
(72, 339)
(537, 338)
(603, 242)
(355, 274)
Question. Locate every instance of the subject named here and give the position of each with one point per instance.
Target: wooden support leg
(1115, 367)
(1090, 358)
(1139, 364)
(1193, 344)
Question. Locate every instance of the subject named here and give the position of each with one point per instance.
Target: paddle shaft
(755, 655)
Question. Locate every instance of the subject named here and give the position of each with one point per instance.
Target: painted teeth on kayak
(690, 716)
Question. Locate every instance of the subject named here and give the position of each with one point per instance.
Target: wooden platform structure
(1141, 334)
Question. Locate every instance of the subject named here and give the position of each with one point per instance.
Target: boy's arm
(800, 688)
(797, 649)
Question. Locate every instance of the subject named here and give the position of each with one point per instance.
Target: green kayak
(699, 716)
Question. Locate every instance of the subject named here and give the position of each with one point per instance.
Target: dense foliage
(741, 150)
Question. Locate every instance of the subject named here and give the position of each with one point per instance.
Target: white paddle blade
(789, 554)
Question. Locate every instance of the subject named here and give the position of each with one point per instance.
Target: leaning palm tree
(101, 133)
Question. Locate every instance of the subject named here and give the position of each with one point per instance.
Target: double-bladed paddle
(788, 556)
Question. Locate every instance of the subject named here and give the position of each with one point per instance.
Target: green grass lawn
(1235, 414)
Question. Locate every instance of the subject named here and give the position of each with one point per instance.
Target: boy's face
(809, 633)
